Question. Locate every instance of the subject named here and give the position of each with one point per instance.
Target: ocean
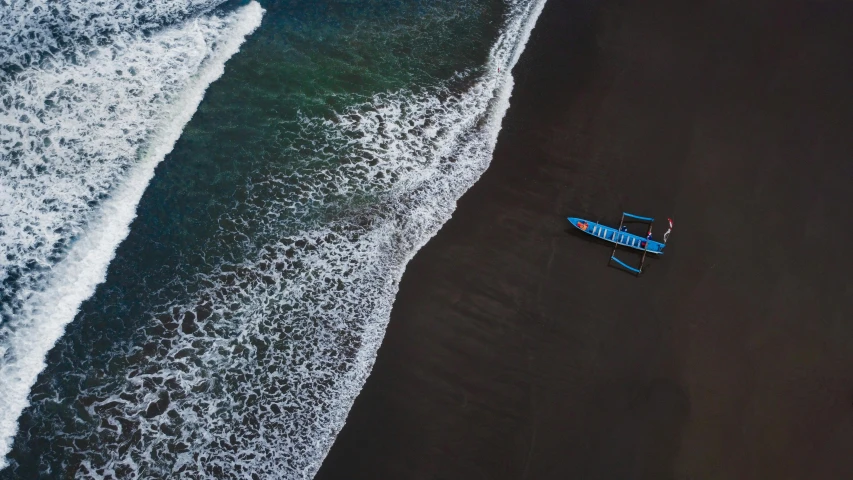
(206, 207)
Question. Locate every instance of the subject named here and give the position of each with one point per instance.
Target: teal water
(241, 314)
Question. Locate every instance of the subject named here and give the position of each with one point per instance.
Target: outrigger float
(620, 237)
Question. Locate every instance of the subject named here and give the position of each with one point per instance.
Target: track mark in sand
(548, 265)
(551, 257)
(542, 280)
(526, 470)
(529, 452)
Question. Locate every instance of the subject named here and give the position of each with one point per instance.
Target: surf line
(503, 56)
(46, 313)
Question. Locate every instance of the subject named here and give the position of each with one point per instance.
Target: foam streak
(45, 312)
(265, 361)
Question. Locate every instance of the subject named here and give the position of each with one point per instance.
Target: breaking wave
(251, 370)
(84, 123)
(31, 32)
(254, 373)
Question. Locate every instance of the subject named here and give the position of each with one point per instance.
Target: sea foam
(254, 374)
(83, 130)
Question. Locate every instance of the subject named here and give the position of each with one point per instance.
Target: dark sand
(515, 352)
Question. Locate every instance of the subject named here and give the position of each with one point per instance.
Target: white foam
(178, 64)
(33, 30)
(264, 384)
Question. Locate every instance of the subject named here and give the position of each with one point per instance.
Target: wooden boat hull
(613, 235)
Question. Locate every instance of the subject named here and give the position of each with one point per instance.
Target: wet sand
(515, 352)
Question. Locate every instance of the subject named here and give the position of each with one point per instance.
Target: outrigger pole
(646, 249)
(616, 244)
(636, 271)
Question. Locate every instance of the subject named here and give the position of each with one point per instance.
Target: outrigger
(620, 236)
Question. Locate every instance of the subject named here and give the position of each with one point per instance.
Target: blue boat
(620, 237)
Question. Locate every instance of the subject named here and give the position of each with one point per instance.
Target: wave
(31, 32)
(254, 373)
(81, 137)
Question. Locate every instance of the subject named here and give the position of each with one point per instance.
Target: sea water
(205, 211)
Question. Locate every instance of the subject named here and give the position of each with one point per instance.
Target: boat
(620, 237)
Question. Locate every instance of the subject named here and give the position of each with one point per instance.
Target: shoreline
(513, 351)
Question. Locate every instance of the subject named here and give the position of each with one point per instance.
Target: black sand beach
(515, 352)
